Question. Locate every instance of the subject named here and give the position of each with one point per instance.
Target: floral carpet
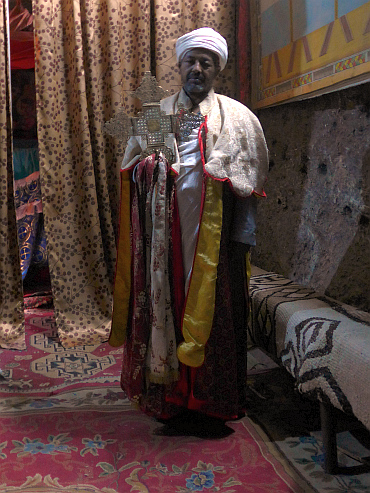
(121, 451)
(75, 432)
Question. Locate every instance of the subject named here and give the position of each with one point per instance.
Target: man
(191, 225)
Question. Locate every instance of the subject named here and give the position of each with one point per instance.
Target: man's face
(198, 70)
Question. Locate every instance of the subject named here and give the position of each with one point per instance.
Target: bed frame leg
(328, 428)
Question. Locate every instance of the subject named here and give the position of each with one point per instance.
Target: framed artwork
(302, 48)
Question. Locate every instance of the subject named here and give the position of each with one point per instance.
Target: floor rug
(292, 425)
(46, 368)
(120, 450)
(66, 426)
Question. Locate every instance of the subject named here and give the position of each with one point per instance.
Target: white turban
(205, 37)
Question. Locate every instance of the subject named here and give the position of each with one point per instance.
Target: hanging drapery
(11, 296)
(88, 56)
(87, 61)
(176, 17)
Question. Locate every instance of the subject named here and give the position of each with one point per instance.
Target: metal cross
(152, 124)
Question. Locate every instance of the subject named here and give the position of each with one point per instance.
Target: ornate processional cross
(152, 124)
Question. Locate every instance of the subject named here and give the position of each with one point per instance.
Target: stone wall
(314, 224)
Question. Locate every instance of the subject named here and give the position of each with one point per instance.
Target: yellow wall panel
(336, 55)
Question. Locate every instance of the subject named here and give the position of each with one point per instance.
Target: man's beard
(195, 84)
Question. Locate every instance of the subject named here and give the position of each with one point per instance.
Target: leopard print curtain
(11, 296)
(89, 57)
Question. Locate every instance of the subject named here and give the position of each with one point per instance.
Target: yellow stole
(199, 309)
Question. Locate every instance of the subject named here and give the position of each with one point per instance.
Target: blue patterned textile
(27, 196)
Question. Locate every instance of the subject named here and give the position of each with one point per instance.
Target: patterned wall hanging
(303, 48)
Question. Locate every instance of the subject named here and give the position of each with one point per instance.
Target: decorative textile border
(331, 57)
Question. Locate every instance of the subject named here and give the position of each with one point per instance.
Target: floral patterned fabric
(11, 316)
(118, 450)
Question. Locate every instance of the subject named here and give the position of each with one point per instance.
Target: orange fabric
(122, 286)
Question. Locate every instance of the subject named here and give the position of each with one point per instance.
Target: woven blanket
(324, 344)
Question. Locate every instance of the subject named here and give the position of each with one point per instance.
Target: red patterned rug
(46, 368)
(122, 451)
(66, 426)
